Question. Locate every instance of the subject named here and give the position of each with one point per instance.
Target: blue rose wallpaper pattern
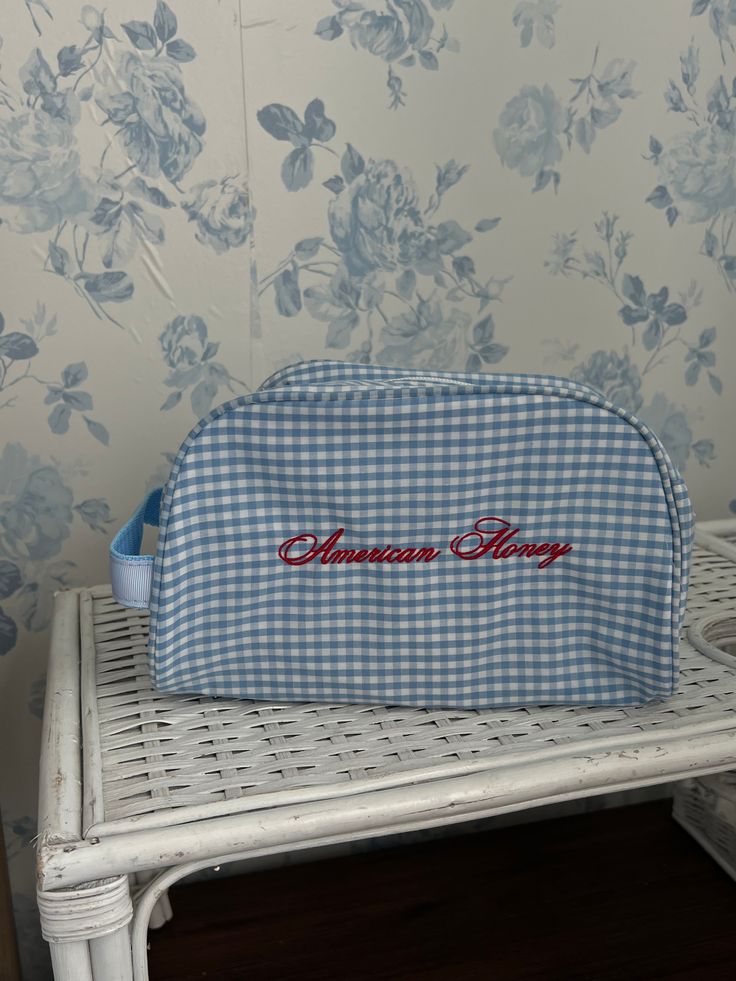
(192, 195)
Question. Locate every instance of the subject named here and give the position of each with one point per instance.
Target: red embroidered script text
(490, 537)
(493, 535)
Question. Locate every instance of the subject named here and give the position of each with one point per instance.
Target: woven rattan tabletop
(153, 760)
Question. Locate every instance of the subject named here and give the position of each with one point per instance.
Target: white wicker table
(138, 786)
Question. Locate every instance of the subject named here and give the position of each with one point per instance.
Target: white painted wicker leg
(162, 911)
(70, 961)
(88, 930)
(111, 956)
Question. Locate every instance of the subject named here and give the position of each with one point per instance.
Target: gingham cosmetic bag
(350, 533)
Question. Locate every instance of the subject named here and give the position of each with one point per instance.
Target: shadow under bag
(351, 533)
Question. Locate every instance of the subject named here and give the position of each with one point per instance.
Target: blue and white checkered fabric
(414, 459)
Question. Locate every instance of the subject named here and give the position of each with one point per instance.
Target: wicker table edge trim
(709, 535)
(386, 811)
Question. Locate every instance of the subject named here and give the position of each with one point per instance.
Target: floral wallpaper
(194, 194)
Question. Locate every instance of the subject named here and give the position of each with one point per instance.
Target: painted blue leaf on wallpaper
(428, 60)
(673, 98)
(59, 258)
(690, 68)
(671, 423)
(451, 237)
(69, 59)
(659, 197)
(655, 148)
(329, 28)
(691, 373)
(632, 288)
(95, 512)
(334, 184)
(704, 451)
(482, 343)
(604, 115)
(36, 76)
(164, 21)
(77, 401)
(97, 430)
(141, 34)
(180, 50)
(728, 264)
(202, 396)
(463, 267)
(308, 248)
(34, 607)
(674, 314)
(288, 294)
(282, 123)
(149, 192)
(616, 79)
(147, 225)
(328, 303)
(109, 287)
(297, 169)
(317, 126)
(448, 176)
(10, 578)
(710, 243)
(585, 133)
(8, 633)
(544, 177)
(59, 419)
(17, 346)
(487, 224)
(339, 331)
(171, 401)
(718, 97)
(74, 374)
(106, 214)
(652, 336)
(352, 163)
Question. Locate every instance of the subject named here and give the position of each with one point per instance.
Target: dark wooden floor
(622, 895)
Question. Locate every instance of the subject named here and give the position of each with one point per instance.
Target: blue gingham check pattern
(412, 459)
